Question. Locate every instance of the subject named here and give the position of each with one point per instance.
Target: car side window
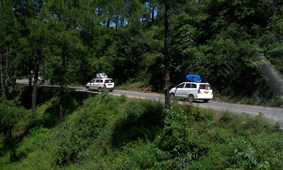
(188, 85)
(101, 81)
(181, 85)
(97, 81)
(194, 86)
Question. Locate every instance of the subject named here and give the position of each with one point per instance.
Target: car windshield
(205, 86)
(108, 81)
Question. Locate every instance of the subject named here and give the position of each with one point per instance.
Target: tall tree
(9, 34)
(166, 57)
(1, 77)
(38, 31)
(67, 20)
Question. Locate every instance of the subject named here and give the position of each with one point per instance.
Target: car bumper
(204, 97)
(109, 88)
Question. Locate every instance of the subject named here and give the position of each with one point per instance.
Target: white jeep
(100, 83)
(192, 91)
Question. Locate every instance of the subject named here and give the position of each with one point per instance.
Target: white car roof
(102, 78)
(194, 82)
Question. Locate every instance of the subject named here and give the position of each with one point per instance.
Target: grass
(110, 132)
(130, 86)
(274, 101)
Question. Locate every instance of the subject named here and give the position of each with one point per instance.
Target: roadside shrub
(35, 137)
(142, 119)
(238, 141)
(138, 154)
(74, 138)
(275, 101)
(227, 117)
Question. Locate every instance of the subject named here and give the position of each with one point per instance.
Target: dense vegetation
(137, 134)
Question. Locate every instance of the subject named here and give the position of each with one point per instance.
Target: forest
(235, 45)
(74, 40)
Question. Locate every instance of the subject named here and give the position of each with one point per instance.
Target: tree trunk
(122, 22)
(62, 87)
(34, 89)
(108, 23)
(30, 74)
(6, 129)
(16, 67)
(123, 16)
(116, 21)
(166, 57)
(152, 14)
(1, 75)
(159, 15)
(7, 65)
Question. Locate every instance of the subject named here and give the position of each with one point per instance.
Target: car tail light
(212, 91)
(198, 90)
(104, 85)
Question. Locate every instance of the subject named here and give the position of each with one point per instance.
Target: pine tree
(166, 57)
(67, 20)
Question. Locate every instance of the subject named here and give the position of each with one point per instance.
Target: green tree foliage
(11, 112)
(9, 45)
(133, 56)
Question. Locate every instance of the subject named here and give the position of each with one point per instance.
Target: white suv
(192, 91)
(100, 83)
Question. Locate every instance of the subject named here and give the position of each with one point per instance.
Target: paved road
(273, 114)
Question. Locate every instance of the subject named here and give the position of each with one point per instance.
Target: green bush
(109, 132)
(141, 119)
(76, 136)
(35, 140)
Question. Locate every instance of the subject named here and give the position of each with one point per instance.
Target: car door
(91, 84)
(99, 84)
(194, 89)
(187, 89)
(180, 90)
(96, 84)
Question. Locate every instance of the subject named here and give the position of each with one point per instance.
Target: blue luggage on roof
(193, 78)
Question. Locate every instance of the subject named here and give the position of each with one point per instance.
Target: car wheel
(99, 89)
(87, 88)
(172, 95)
(191, 98)
(205, 101)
